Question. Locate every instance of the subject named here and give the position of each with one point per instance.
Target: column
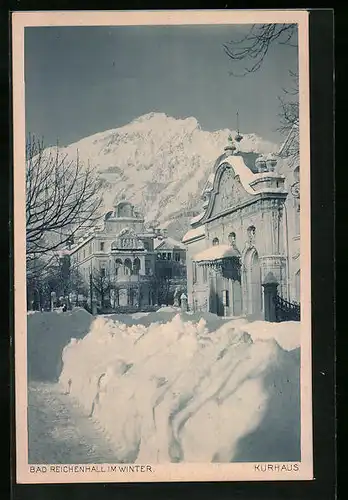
(270, 289)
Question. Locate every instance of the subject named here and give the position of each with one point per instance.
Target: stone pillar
(276, 265)
(270, 286)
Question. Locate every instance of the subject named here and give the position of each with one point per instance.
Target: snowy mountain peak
(160, 163)
(149, 116)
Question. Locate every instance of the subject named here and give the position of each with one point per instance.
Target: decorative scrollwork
(295, 189)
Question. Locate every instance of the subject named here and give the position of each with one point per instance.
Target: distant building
(170, 258)
(119, 262)
(170, 269)
(248, 230)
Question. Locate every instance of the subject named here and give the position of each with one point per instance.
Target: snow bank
(47, 334)
(188, 388)
(286, 334)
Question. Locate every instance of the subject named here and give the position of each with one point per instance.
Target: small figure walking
(183, 301)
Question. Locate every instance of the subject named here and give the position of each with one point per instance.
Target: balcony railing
(286, 311)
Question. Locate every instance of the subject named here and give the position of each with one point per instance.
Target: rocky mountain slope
(160, 164)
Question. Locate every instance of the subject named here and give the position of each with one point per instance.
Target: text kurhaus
(277, 467)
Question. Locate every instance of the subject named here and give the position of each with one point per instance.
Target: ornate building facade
(119, 261)
(247, 232)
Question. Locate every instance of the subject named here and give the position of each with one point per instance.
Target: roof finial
(238, 137)
(230, 149)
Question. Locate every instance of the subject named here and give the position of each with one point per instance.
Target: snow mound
(287, 334)
(168, 309)
(47, 335)
(193, 388)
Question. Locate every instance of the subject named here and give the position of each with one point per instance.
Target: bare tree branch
(102, 283)
(254, 46)
(252, 50)
(62, 196)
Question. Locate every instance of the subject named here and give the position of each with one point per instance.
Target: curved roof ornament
(238, 137)
(231, 147)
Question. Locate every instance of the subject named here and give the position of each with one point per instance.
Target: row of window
(232, 239)
(168, 256)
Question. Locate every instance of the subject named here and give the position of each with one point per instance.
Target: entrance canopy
(216, 254)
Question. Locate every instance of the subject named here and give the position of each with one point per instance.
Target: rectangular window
(102, 246)
(84, 253)
(103, 271)
(177, 257)
(169, 256)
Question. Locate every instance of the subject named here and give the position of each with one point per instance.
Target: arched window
(215, 241)
(232, 238)
(136, 265)
(118, 265)
(251, 233)
(127, 267)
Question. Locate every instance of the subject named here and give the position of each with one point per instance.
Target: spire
(238, 137)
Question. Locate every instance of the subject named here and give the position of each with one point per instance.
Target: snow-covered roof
(194, 233)
(247, 177)
(245, 174)
(63, 251)
(168, 243)
(197, 218)
(216, 252)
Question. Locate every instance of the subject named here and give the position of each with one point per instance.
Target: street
(59, 431)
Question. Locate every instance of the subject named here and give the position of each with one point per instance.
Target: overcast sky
(84, 80)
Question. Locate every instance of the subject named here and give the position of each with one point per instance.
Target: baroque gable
(127, 239)
(228, 192)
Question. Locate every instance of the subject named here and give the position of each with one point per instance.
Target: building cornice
(240, 206)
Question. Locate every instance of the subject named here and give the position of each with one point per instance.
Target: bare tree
(251, 51)
(253, 47)
(44, 277)
(78, 285)
(62, 197)
(101, 282)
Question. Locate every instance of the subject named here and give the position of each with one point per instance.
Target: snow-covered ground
(171, 387)
(48, 333)
(60, 432)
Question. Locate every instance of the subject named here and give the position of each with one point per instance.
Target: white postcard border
(156, 472)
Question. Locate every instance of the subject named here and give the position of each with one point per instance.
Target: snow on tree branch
(62, 196)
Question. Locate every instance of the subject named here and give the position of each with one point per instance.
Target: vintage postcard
(162, 246)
